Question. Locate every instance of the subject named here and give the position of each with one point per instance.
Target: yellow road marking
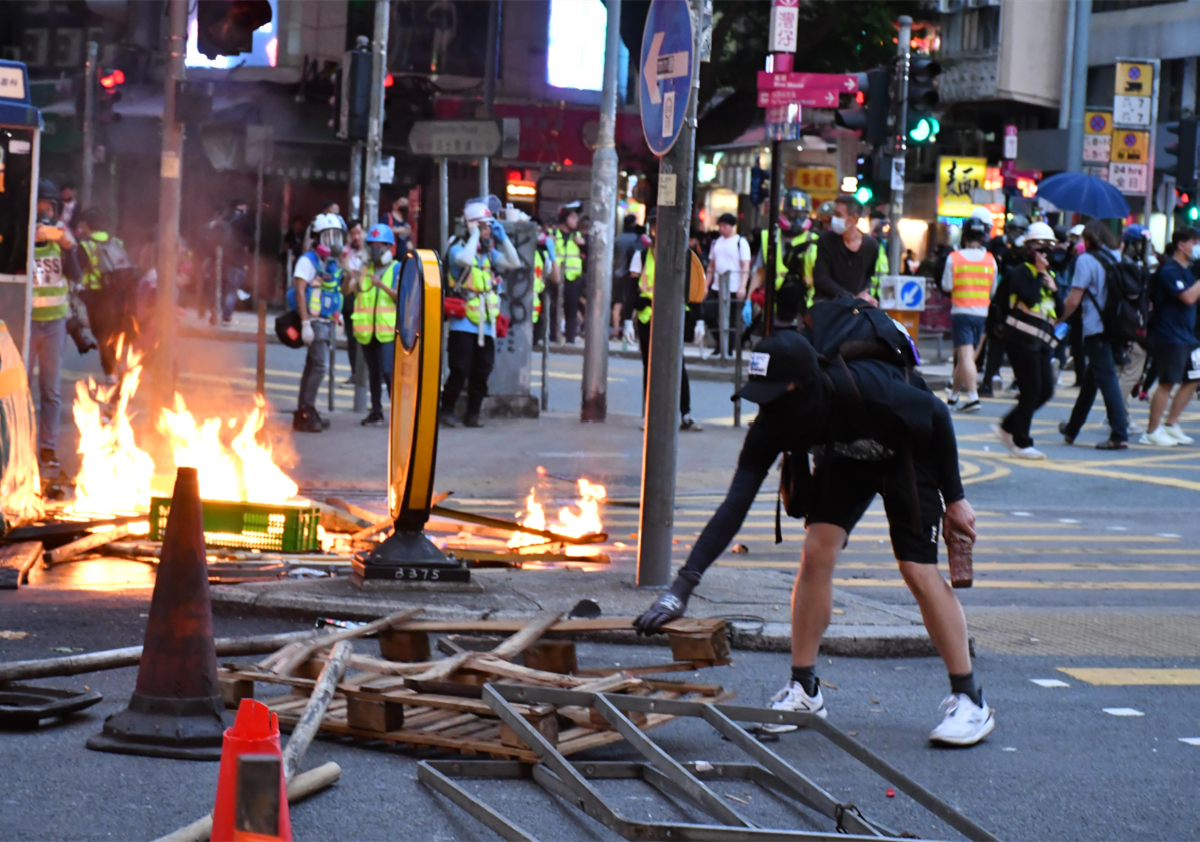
(1069, 467)
(1018, 584)
(999, 566)
(1130, 676)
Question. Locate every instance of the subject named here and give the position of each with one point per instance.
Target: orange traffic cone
(248, 804)
(176, 708)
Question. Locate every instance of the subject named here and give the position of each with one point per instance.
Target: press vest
(51, 296)
(973, 281)
(567, 251)
(374, 310)
(325, 300)
(93, 278)
(478, 289)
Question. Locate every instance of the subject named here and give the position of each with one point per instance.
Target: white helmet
(1040, 231)
(983, 215)
(329, 229)
(477, 211)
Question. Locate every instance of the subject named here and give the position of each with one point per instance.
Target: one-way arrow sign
(659, 67)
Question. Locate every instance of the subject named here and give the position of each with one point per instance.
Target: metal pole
(332, 362)
(443, 206)
(356, 183)
(260, 303)
(491, 55)
(1149, 197)
(89, 127)
(723, 304)
(900, 140)
(737, 366)
(220, 267)
(168, 203)
(545, 404)
(1079, 70)
(600, 246)
(375, 117)
(1064, 97)
(773, 235)
(657, 516)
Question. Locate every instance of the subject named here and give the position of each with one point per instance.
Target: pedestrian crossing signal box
(407, 555)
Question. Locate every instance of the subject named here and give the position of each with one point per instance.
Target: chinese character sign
(784, 22)
(958, 178)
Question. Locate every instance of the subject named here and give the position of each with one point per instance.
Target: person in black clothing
(846, 257)
(1007, 247)
(624, 285)
(872, 427)
(1025, 302)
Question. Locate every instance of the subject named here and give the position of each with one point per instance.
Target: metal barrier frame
(683, 781)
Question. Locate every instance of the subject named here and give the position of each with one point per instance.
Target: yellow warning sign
(1134, 78)
(1130, 147)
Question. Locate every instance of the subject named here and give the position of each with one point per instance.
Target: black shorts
(1176, 362)
(844, 488)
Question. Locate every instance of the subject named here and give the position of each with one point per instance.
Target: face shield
(333, 239)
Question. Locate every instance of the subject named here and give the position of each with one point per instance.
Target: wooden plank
(527, 636)
(373, 715)
(650, 669)
(685, 625)
(704, 645)
(513, 526)
(404, 646)
(494, 666)
(357, 511)
(552, 656)
(16, 560)
(306, 651)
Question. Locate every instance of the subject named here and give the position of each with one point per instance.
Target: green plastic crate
(251, 526)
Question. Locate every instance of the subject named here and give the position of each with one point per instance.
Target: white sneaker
(1006, 439)
(1159, 437)
(951, 397)
(971, 406)
(1135, 429)
(966, 723)
(1176, 432)
(793, 698)
(1028, 453)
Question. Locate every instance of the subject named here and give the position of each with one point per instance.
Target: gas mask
(381, 255)
(838, 225)
(334, 239)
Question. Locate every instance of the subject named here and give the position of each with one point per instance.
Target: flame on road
(582, 519)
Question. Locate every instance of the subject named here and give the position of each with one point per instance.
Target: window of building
(971, 31)
(575, 58)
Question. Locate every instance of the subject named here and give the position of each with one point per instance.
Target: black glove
(670, 606)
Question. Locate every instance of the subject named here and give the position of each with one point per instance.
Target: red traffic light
(388, 81)
(860, 97)
(117, 77)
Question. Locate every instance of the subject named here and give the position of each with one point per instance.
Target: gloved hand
(747, 312)
(670, 606)
(630, 334)
(306, 332)
(498, 232)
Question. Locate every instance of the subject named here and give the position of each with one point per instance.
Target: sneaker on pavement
(375, 419)
(793, 698)
(1006, 439)
(447, 419)
(1135, 429)
(985, 392)
(1176, 432)
(965, 723)
(951, 398)
(306, 422)
(690, 425)
(1159, 437)
(971, 406)
(1067, 437)
(1028, 453)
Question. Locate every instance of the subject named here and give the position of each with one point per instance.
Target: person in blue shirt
(1089, 291)
(472, 305)
(1173, 339)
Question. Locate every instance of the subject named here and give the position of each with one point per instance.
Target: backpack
(854, 329)
(1126, 310)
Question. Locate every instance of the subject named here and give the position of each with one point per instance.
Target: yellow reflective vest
(51, 296)
(567, 251)
(539, 283)
(93, 278)
(374, 310)
(646, 287)
(478, 287)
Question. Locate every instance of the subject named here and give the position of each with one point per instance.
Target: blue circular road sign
(911, 293)
(666, 72)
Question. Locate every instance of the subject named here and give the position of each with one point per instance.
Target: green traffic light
(1193, 213)
(921, 131)
(864, 195)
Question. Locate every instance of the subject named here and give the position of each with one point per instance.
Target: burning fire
(115, 474)
(584, 521)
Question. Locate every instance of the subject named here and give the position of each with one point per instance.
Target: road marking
(1123, 712)
(1066, 466)
(1192, 741)
(1049, 682)
(1119, 528)
(1022, 514)
(1169, 535)
(1067, 520)
(1130, 676)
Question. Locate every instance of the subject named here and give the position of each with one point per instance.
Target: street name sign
(466, 138)
(666, 79)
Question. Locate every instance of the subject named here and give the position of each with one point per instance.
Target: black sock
(965, 684)
(807, 679)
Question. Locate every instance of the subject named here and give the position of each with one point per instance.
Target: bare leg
(1185, 393)
(965, 375)
(1158, 403)
(942, 613)
(812, 594)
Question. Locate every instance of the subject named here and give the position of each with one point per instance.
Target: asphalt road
(1057, 766)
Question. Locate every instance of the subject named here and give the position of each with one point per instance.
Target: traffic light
(353, 95)
(108, 94)
(874, 97)
(923, 74)
(1183, 148)
(865, 195)
(1193, 213)
(226, 27)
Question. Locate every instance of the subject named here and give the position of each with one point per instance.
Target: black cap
(776, 362)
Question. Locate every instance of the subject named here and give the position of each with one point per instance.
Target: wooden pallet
(406, 698)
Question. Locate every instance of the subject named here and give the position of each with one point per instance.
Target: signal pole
(89, 126)
(375, 116)
(900, 142)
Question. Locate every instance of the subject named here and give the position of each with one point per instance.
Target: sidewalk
(244, 328)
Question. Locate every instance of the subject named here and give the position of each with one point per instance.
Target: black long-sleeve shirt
(892, 413)
(838, 270)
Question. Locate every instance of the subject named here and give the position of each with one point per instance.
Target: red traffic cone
(248, 804)
(176, 708)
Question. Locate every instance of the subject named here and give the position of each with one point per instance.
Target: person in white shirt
(729, 254)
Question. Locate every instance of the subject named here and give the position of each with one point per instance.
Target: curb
(900, 641)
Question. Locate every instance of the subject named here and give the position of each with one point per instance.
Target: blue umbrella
(1086, 194)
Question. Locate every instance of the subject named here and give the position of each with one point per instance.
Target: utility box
(20, 145)
(903, 297)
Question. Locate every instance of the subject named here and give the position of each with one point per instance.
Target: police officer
(317, 296)
(473, 305)
(55, 267)
(969, 277)
(872, 427)
(543, 269)
(1024, 315)
(373, 321)
(107, 296)
(794, 256)
(641, 266)
(568, 247)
